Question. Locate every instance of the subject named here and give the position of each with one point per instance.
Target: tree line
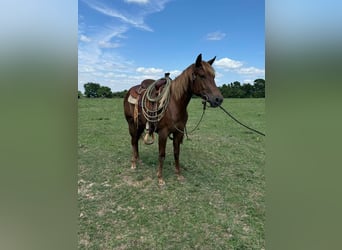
(95, 90)
(231, 90)
(238, 90)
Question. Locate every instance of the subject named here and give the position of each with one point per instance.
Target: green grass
(220, 205)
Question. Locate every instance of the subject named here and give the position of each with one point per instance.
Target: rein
(254, 130)
(200, 120)
(193, 130)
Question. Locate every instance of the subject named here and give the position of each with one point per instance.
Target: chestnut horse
(197, 79)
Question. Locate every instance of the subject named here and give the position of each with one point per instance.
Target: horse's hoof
(134, 165)
(161, 182)
(180, 178)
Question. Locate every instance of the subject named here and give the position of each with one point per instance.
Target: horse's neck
(185, 97)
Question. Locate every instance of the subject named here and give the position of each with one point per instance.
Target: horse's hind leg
(135, 152)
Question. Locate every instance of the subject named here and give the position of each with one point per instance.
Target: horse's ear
(199, 61)
(211, 61)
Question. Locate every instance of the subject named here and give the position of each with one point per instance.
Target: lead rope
(252, 129)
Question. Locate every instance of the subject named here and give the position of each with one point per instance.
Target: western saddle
(135, 97)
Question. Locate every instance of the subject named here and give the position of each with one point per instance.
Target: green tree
(91, 89)
(237, 91)
(120, 94)
(104, 92)
(225, 90)
(248, 90)
(259, 88)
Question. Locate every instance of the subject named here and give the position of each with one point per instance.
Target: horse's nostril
(218, 100)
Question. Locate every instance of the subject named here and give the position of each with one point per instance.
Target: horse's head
(203, 82)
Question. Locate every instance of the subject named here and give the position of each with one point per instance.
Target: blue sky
(122, 42)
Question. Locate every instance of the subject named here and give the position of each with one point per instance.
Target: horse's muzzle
(214, 101)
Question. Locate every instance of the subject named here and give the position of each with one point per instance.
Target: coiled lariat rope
(149, 101)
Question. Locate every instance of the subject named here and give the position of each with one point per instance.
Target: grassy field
(220, 205)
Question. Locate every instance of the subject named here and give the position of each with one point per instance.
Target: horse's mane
(181, 83)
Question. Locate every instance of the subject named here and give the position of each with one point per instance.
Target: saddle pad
(132, 100)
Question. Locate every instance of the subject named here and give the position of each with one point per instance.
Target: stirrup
(149, 139)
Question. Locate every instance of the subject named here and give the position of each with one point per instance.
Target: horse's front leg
(162, 146)
(135, 135)
(177, 140)
(135, 152)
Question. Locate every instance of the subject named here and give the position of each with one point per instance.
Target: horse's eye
(202, 76)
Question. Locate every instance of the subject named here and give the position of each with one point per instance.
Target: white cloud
(85, 69)
(250, 81)
(237, 68)
(251, 71)
(137, 1)
(108, 45)
(115, 31)
(84, 38)
(149, 70)
(174, 73)
(154, 73)
(215, 36)
(104, 38)
(218, 75)
(108, 67)
(227, 64)
(136, 20)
